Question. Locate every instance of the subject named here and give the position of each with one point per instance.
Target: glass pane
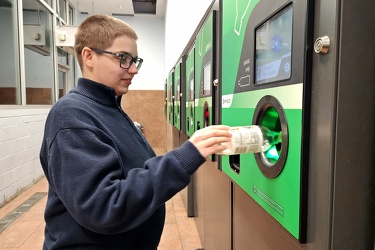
(9, 69)
(62, 7)
(62, 57)
(38, 53)
(72, 72)
(71, 15)
(62, 83)
(49, 2)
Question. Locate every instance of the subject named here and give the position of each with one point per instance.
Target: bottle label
(246, 139)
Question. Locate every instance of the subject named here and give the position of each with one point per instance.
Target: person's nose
(133, 69)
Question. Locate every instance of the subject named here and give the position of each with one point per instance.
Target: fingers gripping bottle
(251, 139)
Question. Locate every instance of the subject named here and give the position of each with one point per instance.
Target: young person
(107, 188)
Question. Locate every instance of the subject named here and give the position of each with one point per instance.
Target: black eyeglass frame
(122, 55)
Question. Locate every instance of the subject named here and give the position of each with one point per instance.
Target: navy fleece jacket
(107, 188)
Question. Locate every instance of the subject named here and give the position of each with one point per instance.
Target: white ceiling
(122, 7)
(109, 7)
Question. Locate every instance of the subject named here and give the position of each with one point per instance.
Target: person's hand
(208, 140)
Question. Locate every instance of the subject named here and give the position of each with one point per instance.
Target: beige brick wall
(147, 108)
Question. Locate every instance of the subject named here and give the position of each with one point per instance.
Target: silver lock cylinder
(321, 45)
(216, 82)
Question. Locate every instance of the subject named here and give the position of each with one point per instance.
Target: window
(9, 70)
(63, 72)
(71, 15)
(28, 74)
(39, 63)
(62, 9)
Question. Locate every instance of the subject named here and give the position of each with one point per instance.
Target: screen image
(191, 90)
(273, 48)
(178, 91)
(207, 79)
(171, 94)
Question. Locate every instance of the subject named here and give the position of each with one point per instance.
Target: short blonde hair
(99, 31)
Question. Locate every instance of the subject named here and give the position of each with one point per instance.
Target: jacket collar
(96, 91)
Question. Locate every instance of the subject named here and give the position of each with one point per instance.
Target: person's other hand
(208, 140)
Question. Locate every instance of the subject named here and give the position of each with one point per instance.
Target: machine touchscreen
(274, 47)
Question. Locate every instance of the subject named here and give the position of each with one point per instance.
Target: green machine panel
(189, 94)
(170, 97)
(204, 72)
(180, 97)
(165, 99)
(263, 71)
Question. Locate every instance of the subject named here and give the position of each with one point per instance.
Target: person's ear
(88, 57)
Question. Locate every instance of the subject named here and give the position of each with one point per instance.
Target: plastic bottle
(251, 139)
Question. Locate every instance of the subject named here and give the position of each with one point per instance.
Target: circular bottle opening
(191, 116)
(269, 113)
(206, 115)
(271, 120)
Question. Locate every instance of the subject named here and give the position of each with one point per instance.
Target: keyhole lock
(216, 82)
(321, 45)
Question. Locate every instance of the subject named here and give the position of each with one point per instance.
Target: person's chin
(122, 91)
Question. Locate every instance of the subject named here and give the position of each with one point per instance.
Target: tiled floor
(26, 232)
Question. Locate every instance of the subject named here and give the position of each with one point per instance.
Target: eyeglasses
(126, 60)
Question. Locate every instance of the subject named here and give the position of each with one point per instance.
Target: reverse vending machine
(165, 110)
(189, 94)
(179, 97)
(204, 72)
(264, 83)
(170, 97)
